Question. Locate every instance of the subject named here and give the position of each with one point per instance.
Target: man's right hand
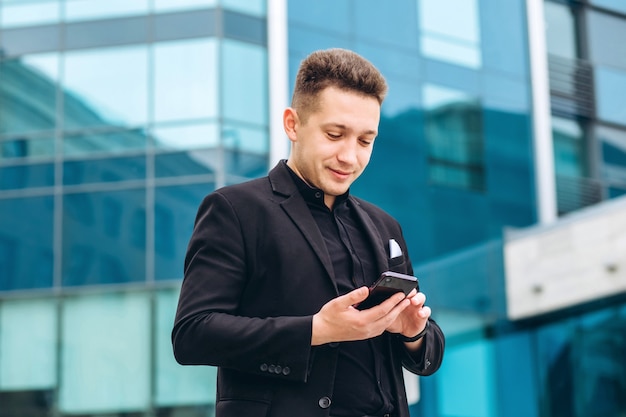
(339, 321)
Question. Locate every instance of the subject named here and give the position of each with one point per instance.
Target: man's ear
(291, 123)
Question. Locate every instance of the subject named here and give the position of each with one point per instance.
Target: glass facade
(118, 117)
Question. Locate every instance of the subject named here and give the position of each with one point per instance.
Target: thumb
(354, 296)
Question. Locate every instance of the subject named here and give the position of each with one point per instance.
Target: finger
(353, 297)
(424, 312)
(386, 306)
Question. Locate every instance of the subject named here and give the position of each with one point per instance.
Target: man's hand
(339, 321)
(412, 319)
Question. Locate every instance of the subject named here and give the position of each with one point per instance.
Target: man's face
(333, 147)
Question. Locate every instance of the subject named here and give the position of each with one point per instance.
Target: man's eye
(366, 142)
(334, 135)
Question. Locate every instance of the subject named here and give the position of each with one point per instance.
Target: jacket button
(278, 369)
(271, 368)
(263, 367)
(324, 402)
(286, 371)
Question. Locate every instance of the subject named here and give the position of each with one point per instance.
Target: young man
(275, 266)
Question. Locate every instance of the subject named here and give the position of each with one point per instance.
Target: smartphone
(388, 284)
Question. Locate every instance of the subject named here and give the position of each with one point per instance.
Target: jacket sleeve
(211, 327)
(428, 358)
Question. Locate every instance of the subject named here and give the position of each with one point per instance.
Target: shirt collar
(314, 195)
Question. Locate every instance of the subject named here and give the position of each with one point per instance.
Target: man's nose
(348, 151)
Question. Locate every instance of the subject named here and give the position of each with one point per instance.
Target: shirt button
(324, 402)
(318, 194)
(333, 344)
(263, 367)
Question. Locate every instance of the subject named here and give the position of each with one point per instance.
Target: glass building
(502, 152)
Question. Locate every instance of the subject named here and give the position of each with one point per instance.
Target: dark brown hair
(338, 68)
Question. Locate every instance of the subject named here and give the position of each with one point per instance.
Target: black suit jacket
(256, 271)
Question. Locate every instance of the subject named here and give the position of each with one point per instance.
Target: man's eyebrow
(344, 127)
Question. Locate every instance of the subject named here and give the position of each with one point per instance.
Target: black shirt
(362, 380)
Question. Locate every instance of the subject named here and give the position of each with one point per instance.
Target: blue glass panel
(28, 93)
(96, 9)
(451, 37)
(253, 7)
(602, 26)
(560, 30)
(26, 176)
(616, 5)
(111, 142)
(186, 136)
(198, 162)
(173, 5)
(327, 15)
(185, 80)
(106, 87)
(244, 82)
(613, 147)
(13, 14)
(175, 209)
(503, 36)
(377, 22)
(104, 237)
(245, 164)
(23, 147)
(116, 169)
(26, 247)
(391, 61)
(610, 95)
(569, 147)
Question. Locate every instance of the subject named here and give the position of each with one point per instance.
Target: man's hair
(338, 68)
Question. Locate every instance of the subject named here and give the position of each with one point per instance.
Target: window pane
(244, 80)
(26, 251)
(104, 237)
(616, 5)
(568, 137)
(27, 148)
(253, 7)
(186, 136)
(97, 9)
(28, 93)
(29, 14)
(560, 30)
(611, 95)
(244, 139)
(178, 385)
(602, 26)
(454, 130)
(613, 142)
(175, 209)
(112, 142)
(452, 37)
(194, 162)
(185, 80)
(85, 171)
(105, 353)
(106, 87)
(28, 353)
(172, 5)
(26, 176)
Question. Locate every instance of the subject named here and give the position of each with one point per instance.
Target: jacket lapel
(378, 244)
(296, 208)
